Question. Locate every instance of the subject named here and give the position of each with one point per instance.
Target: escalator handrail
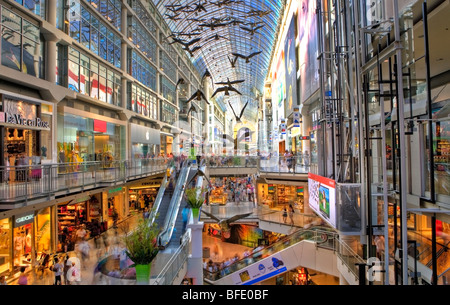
(159, 197)
(258, 255)
(174, 205)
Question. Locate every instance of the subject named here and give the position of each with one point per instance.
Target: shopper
(291, 213)
(185, 214)
(284, 214)
(57, 269)
(23, 278)
(73, 275)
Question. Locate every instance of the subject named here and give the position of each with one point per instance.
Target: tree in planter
(195, 197)
(142, 248)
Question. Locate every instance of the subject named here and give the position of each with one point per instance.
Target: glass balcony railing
(21, 183)
(291, 164)
(326, 239)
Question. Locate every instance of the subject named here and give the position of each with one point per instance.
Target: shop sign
(23, 219)
(117, 189)
(18, 119)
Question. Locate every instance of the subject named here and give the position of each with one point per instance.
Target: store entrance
(20, 149)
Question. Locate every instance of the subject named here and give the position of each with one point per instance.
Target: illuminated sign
(23, 219)
(100, 126)
(322, 197)
(18, 119)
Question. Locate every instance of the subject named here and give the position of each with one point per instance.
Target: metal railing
(325, 238)
(175, 263)
(169, 223)
(288, 164)
(21, 183)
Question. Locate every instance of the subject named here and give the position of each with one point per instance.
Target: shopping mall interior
(277, 142)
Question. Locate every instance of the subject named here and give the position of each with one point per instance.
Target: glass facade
(142, 101)
(92, 33)
(168, 66)
(81, 139)
(142, 38)
(21, 45)
(168, 112)
(37, 7)
(110, 9)
(142, 70)
(91, 78)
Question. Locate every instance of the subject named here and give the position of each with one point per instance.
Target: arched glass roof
(220, 29)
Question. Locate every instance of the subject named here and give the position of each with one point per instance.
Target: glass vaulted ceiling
(230, 18)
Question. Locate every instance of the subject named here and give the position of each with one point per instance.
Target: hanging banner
(283, 127)
(296, 117)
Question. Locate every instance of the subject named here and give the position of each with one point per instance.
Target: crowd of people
(237, 189)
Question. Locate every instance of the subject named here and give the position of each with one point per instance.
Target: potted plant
(195, 197)
(142, 248)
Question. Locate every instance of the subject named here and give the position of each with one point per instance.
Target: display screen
(322, 197)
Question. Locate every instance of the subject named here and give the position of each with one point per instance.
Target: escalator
(297, 249)
(172, 222)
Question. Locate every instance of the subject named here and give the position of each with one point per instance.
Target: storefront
(26, 129)
(86, 211)
(84, 136)
(145, 141)
(166, 141)
(115, 206)
(278, 196)
(25, 238)
(139, 193)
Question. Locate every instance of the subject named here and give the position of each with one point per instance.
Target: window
(142, 70)
(37, 7)
(167, 89)
(167, 66)
(93, 34)
(110, 9)
(142, 38)
(89, 77)
(142, 101)
(168, 112)
(21, 44)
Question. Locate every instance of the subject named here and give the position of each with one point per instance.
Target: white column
(195, 260)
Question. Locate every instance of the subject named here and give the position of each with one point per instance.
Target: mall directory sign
(322, 197)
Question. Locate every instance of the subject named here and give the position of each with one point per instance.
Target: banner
(290, 69)
(283, 127)
(296, 117)
(322, 197)
(308, 49)
(264, 269)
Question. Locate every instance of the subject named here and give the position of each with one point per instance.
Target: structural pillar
(195, 260)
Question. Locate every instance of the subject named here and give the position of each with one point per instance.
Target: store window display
(85, 139)
(5, 241)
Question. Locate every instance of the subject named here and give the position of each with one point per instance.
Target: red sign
(99, 126)
(322, 180)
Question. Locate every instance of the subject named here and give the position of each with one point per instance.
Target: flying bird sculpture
(252, 30)
(226, 89)
(246, 57)
(238, 118)
(233, 61)
(181, 81)
(198, 95)
(229, 83)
